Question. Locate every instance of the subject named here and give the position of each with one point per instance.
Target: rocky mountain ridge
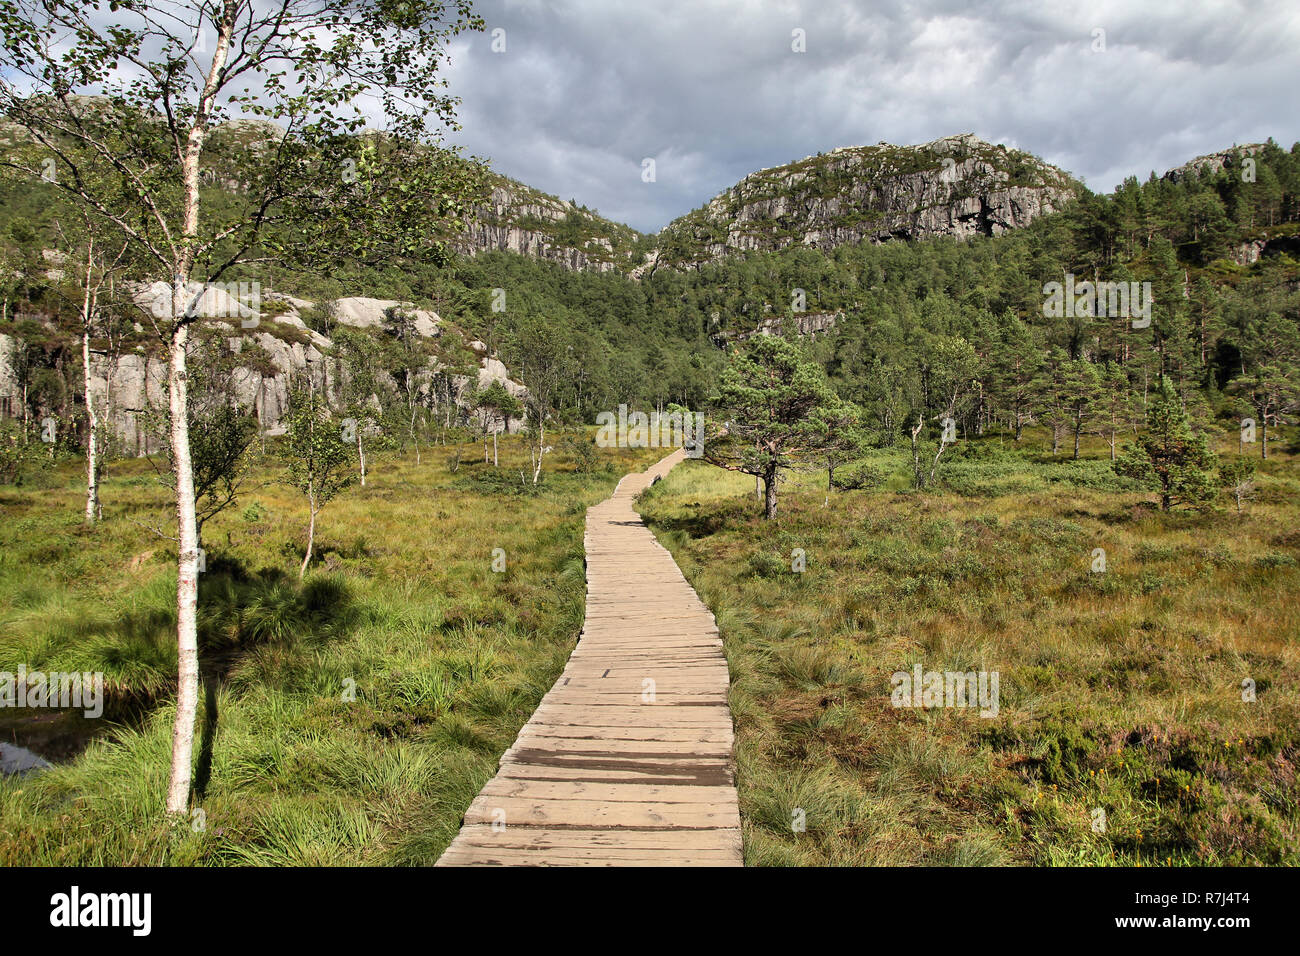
(517, 218)
(960, 186)
(956, 186)
(1214, 162)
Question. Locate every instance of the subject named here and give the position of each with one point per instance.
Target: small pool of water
(15, 759)
(36, 738)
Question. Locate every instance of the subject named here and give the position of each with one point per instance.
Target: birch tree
(90, 267)
(164, 75)
(357, 356)
(543, 356)
(494, 407)
(319, 463)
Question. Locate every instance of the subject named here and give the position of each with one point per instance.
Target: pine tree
(775, 404)
(1015, 364)
(1270, 349)
(1170, 454)
(1051, 395)
(1117, 406)
(1082, 391)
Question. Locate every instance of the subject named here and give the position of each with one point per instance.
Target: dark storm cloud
(711, 89)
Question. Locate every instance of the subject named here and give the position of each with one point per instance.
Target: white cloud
(588, 88)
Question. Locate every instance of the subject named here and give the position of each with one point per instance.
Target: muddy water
(35, 738)
(15, 759)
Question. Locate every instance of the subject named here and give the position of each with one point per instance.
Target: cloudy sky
(584, 90)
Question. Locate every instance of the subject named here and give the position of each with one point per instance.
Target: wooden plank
(632, 749)
(584, 732)
(627, 838)
(602, 776)
(580, 772)
(599, 856)
(530, 811)
(621, 792)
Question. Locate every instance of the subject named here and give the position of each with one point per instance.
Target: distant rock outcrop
(804, 323)
(516, 218)
(957, 186)
(130, 388)
(1214, 162)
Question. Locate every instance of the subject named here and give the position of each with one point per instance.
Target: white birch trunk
(92, 425)
(187, 559)
(92, 422)
(187, 575)
(361, 456)
(311, 537)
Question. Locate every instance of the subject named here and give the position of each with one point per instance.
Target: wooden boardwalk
(627, 761)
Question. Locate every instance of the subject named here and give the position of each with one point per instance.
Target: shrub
(581, 450)
(859, 477)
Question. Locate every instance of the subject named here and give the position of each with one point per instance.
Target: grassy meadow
(1120, 691)
(401, 611)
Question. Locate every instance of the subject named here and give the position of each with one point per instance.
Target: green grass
(447, 659)
(1119, 691)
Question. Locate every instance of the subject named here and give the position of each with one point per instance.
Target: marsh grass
(446, 659)
(1119, 691)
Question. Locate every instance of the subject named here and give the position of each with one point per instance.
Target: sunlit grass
(355, 716)
(1119, 691)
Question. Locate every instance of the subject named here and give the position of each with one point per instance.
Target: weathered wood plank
(610, 770)
(625, 837)
(531, 811)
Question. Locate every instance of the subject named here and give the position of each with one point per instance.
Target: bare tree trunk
(187, 558)
(769, 488)
(187, 571)
(311, 537)
(494, 449)
(92, 426)
(92, 422)
(541, 444)
(918, 476)
(934, 465)
(361, 456)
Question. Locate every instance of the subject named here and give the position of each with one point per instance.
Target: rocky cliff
(804, 324)
(957, 186)
(129, 388)
(516, 218)
(1214, 162)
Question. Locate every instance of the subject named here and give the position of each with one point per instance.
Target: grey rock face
(130, 388)
(806, 323)
(365, 313)
(1249, 252)
(500, 224)
(958, 186)
(1214, 162)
